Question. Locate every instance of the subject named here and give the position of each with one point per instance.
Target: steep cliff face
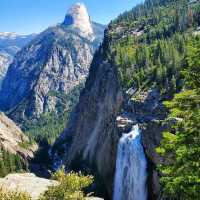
(91, 137)
(147, 108)
(57, 60)
(103, 114)
(105, 111)
(5, 60)
(13, 140)
(78, 18)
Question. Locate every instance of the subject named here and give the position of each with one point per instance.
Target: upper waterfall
(131, 168)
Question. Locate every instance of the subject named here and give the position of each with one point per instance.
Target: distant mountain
(10, 44)
(52, 66)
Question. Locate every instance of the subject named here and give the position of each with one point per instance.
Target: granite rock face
(147, 108)
(57, 60)
(5, 60)
(91, 137)
(77, 17)
(12, 138)
(28, 183)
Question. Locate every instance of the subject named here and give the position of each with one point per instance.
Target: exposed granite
(12, 139)
(91, 137)
(77, 17)
(28, 183)
(5, 60)
(58, 60)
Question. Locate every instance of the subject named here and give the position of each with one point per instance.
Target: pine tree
(181, 148)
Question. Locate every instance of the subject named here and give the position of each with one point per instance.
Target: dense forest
(151, 44)
(10, 163)
(181, 148)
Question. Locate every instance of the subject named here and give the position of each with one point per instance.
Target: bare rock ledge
(28, 183)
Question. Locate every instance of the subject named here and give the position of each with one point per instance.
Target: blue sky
(32, 16)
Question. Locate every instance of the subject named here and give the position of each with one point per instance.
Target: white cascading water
(131, 168)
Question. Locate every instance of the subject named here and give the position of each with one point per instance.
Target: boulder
(29, 183)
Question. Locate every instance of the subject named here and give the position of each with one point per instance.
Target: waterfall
(131, 168)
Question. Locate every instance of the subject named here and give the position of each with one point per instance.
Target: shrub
(13, 195)
(70, 186)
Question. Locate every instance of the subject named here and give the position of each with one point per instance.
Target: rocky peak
(54, 63)
(77, 17)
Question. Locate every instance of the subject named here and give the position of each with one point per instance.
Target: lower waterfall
(131, 168)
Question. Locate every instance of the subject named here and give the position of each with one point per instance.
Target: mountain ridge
(46, 72)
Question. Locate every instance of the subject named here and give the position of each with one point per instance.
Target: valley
(105, 112)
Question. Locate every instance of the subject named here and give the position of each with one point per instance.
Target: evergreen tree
(181, 148)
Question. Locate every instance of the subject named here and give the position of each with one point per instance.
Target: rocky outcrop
(28, 183)
(56, 61)
(147, 108)
(77, 17)
(90, 140)
(13, 139)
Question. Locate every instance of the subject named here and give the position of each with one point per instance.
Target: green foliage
(10, 163)
(155, 65)
(193, 63)
(13, 195)
(149, 43)
(181, 147)
(153, 48)
(159, 19)
(51, 124)
(70, 186)
(26, 144)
